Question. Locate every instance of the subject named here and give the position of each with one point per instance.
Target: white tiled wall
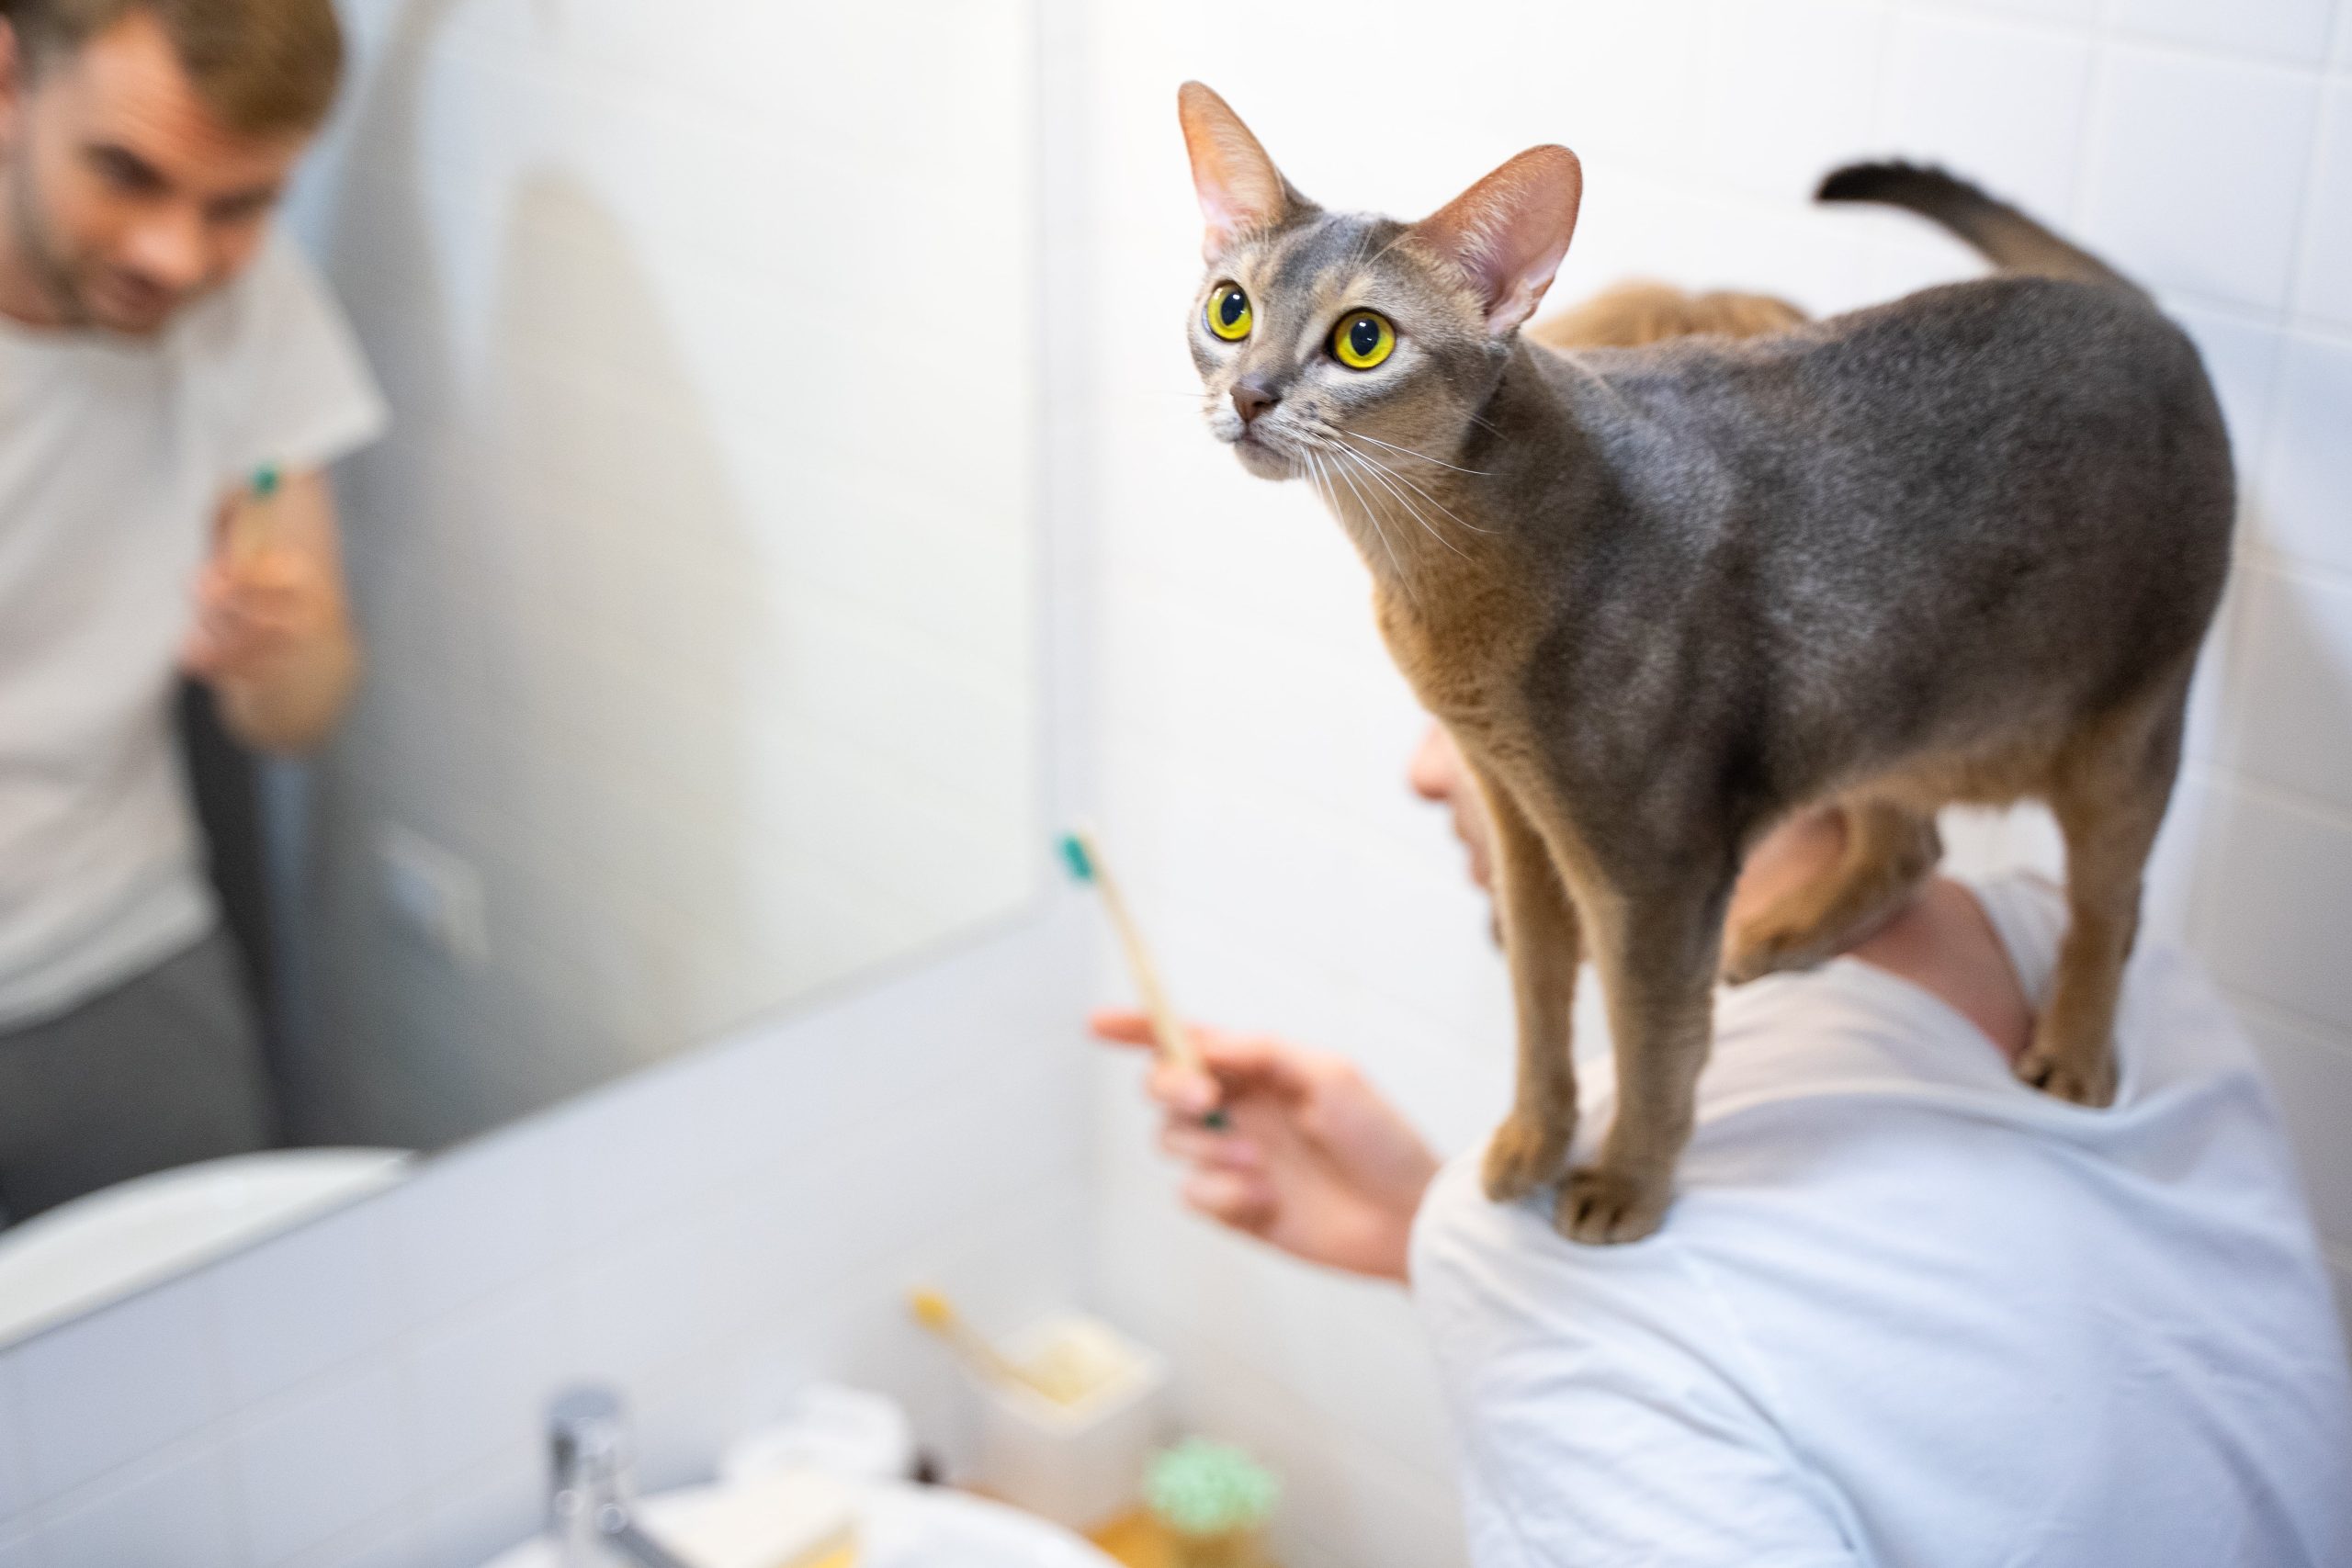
(366, 1390)
(1253, 736)
(697, 574)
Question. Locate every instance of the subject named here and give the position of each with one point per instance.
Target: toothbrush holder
(1080, 1462)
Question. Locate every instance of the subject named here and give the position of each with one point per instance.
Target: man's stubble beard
(29, 241)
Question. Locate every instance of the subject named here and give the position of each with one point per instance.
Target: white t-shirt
(114, 456)
(1908, 1311)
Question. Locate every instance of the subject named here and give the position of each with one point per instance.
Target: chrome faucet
(588, 1505)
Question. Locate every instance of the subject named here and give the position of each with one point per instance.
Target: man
(1904, 1310)
(173, 380)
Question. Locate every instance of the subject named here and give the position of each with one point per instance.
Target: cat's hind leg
(1889, 850)
(1540, 939)
(2108, 791)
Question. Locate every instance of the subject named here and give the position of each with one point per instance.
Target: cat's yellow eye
(1364, 340)
(1228, 312)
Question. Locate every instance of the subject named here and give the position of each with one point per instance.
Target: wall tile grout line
(2306, 808)
(2105, 27)
(2332, 1036)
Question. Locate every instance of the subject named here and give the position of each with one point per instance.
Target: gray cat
(1962, 546)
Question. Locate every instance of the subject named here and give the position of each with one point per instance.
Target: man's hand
(1312, 1159)
(273, 634)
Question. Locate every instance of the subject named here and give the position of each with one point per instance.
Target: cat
(1960, 546)
(1807, 923)
(1811, 923)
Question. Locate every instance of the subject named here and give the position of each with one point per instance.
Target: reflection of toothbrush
(252, 521)
(1086, 863)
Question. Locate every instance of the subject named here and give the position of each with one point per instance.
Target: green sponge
(1200, 1488)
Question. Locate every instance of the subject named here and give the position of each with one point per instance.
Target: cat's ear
(1507, 232)
(1240, 187)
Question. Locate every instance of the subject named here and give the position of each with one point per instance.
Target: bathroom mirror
(696, 577)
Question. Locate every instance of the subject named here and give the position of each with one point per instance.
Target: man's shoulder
(1833, 1091)
(241, 321)
(1471, 1254)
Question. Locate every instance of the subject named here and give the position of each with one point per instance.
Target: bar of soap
(792, 1520)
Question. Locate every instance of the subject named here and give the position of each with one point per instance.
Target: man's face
(125, 195)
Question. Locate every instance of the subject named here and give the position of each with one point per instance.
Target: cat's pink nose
(1250, 399)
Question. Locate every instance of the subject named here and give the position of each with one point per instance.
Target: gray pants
(162, 1071)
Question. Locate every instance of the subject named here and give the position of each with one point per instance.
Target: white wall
(697, 574)
(1252, 735)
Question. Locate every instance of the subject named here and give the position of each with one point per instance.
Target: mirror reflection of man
(173, 380)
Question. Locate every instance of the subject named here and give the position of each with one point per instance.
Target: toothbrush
(1083, 855)
(935, 1312)
(251, 529)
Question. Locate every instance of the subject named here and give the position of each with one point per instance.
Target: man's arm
(273, 635)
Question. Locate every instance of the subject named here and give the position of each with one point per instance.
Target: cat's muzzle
(1264, 454)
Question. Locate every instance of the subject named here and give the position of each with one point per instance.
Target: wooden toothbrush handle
(1174, 1043)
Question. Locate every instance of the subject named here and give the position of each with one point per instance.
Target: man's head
(1793, 853)
(144, 144)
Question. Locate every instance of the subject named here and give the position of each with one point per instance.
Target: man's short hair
(265, 67)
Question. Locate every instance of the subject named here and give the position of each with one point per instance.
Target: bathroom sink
(898, 1527)
(110, 1243)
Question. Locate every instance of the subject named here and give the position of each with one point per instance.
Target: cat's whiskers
(1371, 515)
(1395, 474)
(1390, 247)
(1381, 476)
(1408, 451)
(1349, 462)
(1390, 479)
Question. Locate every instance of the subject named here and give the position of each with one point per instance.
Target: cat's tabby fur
(1962, 546)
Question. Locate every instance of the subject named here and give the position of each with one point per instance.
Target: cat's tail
(2007, 237)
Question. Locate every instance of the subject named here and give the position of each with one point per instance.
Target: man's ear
(1239, 185)
(1507, 232)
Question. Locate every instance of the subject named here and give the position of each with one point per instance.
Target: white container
(845, 1432)
(1080, 1463)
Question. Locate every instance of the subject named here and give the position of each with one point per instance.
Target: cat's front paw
(2086, 1077)
(1601, 1204)
(1524, 1154)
